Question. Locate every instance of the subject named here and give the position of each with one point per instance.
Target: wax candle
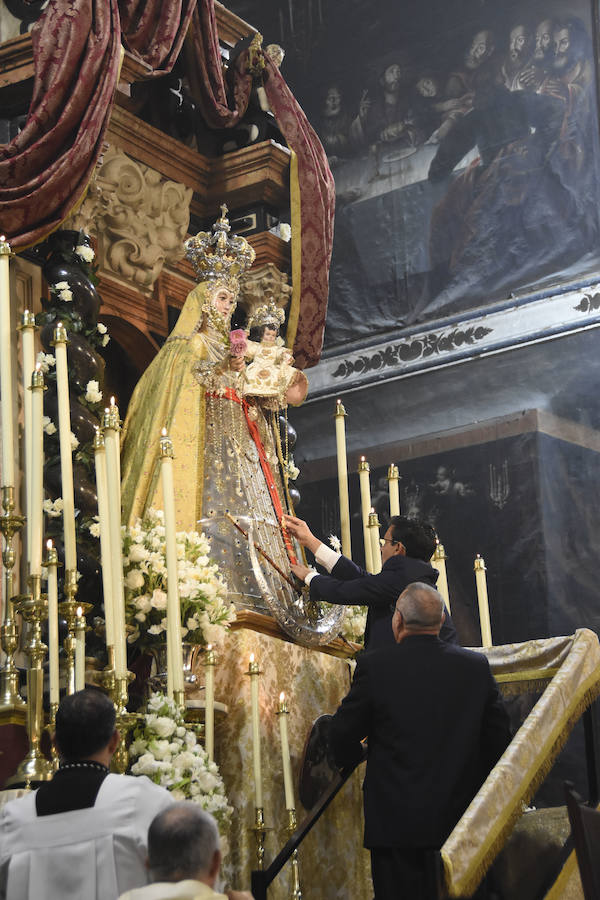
(288, 785)
(482, 599)
(209, 700)
(80, 650)
(6, 362)
(37, 470)
(173, 607)
(66, 451)
(111, 445)
(27, 329)
(254, 672)
(342, 464)
(438, 561)
(365, 504)
(53, 646)
(393, 479)
(105, 550)
(374, 526)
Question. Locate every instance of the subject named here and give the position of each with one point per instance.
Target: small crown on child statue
(267, 315)
(217, 256)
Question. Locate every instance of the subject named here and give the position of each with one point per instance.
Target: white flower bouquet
(205, 611)
(168, 752)
(353, 626)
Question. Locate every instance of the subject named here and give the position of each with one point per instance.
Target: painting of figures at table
(464, 143)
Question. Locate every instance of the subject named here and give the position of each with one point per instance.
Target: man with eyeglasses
(435, 725)
(406, 549)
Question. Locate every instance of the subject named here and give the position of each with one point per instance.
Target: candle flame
(38, 367)
(362, 459)
(2, 237)
(25, 312)
(372, 510)
(79, 612)
(252, 657)
(49, 545)
(164, 432)
(209, 647)
(282, 697)
(112, 401)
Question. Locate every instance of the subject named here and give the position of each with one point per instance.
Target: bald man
(436, 725)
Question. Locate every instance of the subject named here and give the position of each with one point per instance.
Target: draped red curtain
(317, 208)
(45, 170)
(154, 29)
(220, 108)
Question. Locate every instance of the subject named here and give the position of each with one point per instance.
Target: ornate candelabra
(34, 607)
(10, 699)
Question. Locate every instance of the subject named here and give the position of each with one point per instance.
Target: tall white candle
(438, 561)
(209, 701)
(374, 526)
(254, 672)
(104, 521)
(393, 478)
(482, 599)
(6, 361)
(288, 785)
(342, 465)
(66, 451)
(80, 650)
(111, 444)
(365, 505)
(27, 329)
(37, 470)
(173, 606)
(53, 648)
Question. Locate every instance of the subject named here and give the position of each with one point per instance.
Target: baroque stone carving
(140, 219)
(261, 285)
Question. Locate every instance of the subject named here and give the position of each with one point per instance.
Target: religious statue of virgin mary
(226, 463)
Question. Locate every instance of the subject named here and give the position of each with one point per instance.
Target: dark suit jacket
(352, 586)
(436, 725)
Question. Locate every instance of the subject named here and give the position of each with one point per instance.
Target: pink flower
(238, 342)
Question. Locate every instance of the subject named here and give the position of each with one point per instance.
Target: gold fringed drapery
(570, 667)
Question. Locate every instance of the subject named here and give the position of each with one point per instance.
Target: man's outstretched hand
(301, 571)
(300, 530)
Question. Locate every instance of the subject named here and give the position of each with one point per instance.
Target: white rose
(74, 442)
(105, 340)
(95, 529)
(102, 329)
(93, 394)
(164, 727)
(159, 599)
(45, 361)
(86, 253)
(285, 231)
(66, 295)
(155, 629)
(62, 285)
(143, 603)
(138, 746)
(48, 425)
(134, 580)
(138, 553)
(146, 765)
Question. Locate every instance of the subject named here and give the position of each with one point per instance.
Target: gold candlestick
(11, 702)
(68, 608)
(291, 828)
(260, 832)
(35, 767)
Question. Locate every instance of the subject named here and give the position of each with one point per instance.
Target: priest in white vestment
(184, 857)
(84, 833)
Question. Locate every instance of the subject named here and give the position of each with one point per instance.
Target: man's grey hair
(421, 606)
(182, 841)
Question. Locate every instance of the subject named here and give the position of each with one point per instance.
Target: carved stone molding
(263, 284)
(139, 218)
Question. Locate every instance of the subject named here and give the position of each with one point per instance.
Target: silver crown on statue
(217, 256)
